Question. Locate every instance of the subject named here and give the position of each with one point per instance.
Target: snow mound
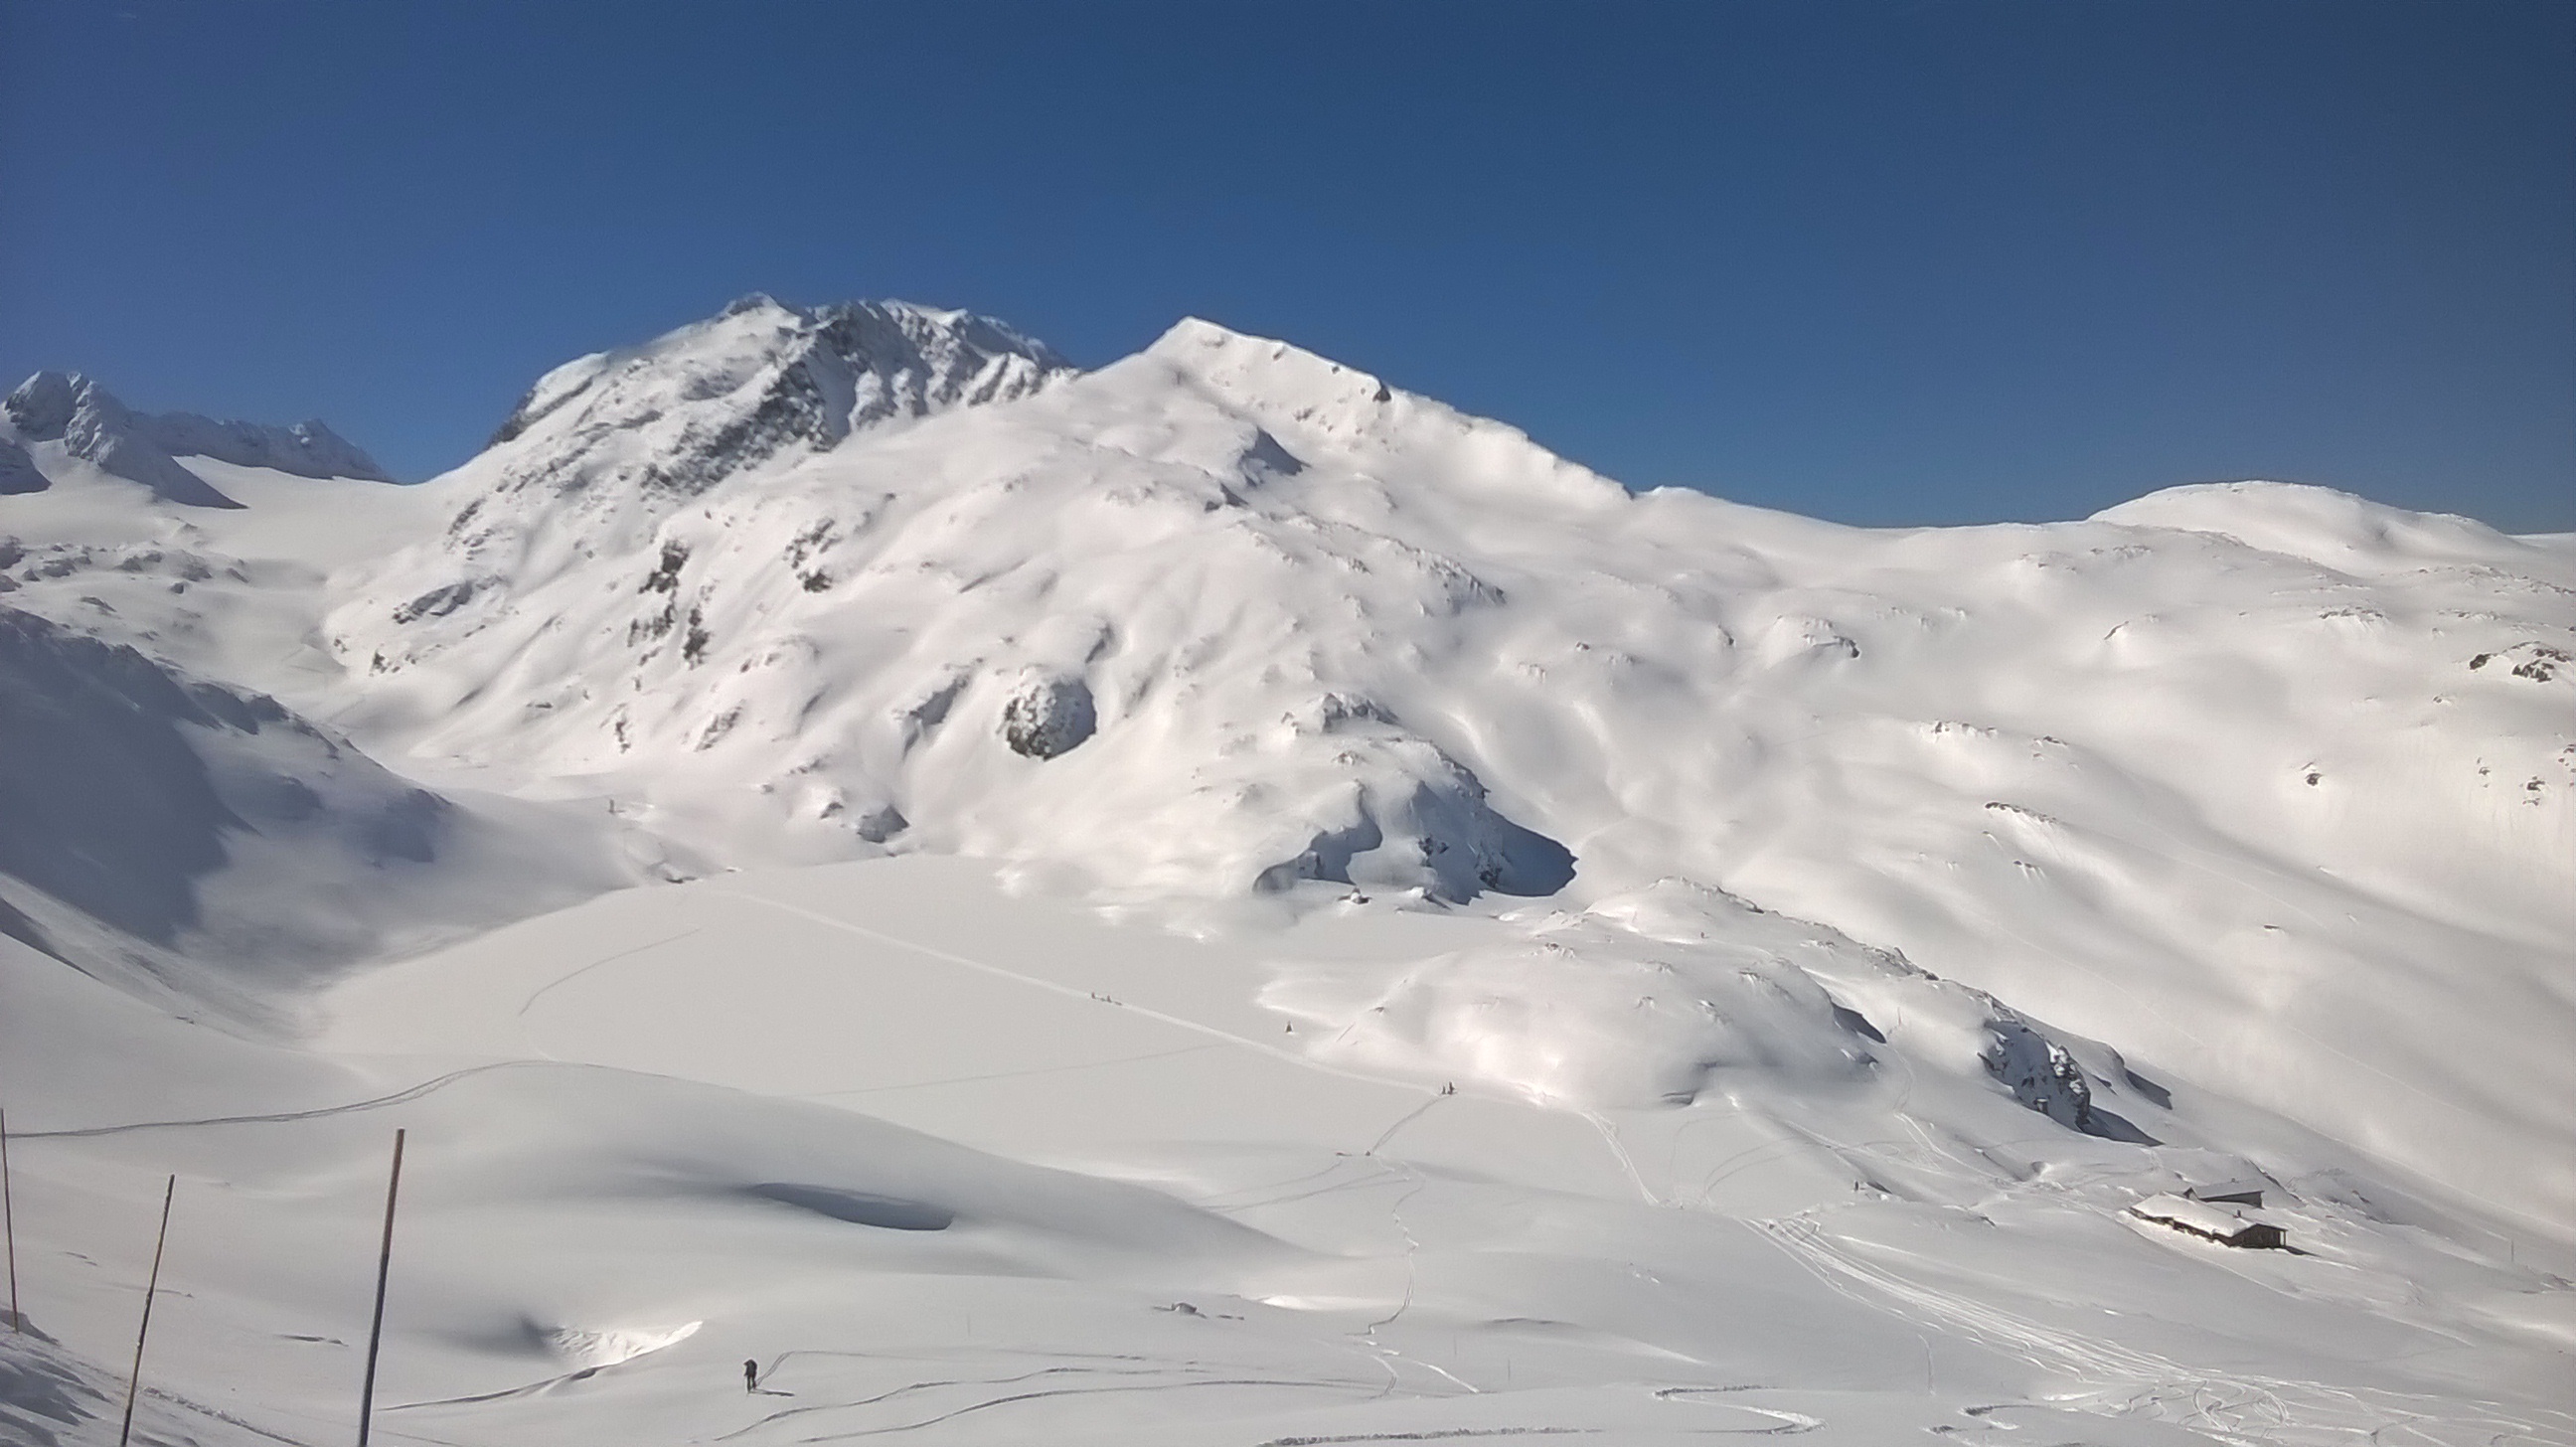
(1656, 996)
(591, 1348)
(2317, 523)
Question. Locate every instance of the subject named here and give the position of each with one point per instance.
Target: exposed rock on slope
(1047, 716)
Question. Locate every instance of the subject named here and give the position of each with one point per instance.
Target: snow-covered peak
(2320, 524)
(605, 447)
(1312, 402)
(88, 423)
(760, 376)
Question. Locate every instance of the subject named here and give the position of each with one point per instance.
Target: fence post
(384, 1268)
(134, 1384)
(9, 1226)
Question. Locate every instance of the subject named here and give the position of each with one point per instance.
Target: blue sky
(1888, 263)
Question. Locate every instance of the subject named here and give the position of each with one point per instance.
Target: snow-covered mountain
(73, 417)
(1226, 616)
(2015, 872)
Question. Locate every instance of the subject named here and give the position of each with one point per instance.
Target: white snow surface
(1218, 899)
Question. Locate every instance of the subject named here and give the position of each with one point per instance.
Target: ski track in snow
(403, 1096)
(2125, 1381)
(542, 990)
(1302, 1061)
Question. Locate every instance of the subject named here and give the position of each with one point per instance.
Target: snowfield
(1220, 900)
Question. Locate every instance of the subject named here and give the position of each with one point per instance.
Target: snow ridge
(91, 424)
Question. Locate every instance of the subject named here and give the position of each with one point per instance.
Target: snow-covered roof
(2198, 1216)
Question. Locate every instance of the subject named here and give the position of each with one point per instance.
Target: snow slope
(2229, 777)
(1223, 900)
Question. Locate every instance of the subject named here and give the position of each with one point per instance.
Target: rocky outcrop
(2040, 1073)
(1048, 716)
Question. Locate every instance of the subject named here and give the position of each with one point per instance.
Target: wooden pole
(9, 1225)
(384, 1268)
(134, 1385)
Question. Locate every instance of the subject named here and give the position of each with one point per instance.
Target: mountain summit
(684, 410)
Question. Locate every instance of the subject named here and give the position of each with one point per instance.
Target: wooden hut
(2209, 1222)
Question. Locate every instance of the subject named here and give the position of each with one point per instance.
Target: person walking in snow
(751, 1374)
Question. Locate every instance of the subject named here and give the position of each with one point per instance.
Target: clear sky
(1896, 262)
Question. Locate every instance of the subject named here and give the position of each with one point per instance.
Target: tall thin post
(384, 1268)
(134, 1384)
(9, 1226)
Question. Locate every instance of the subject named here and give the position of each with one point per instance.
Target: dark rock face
(436, 603)
(43, 406)
(2040, 1073)
(1048, 716)
(881, 824)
